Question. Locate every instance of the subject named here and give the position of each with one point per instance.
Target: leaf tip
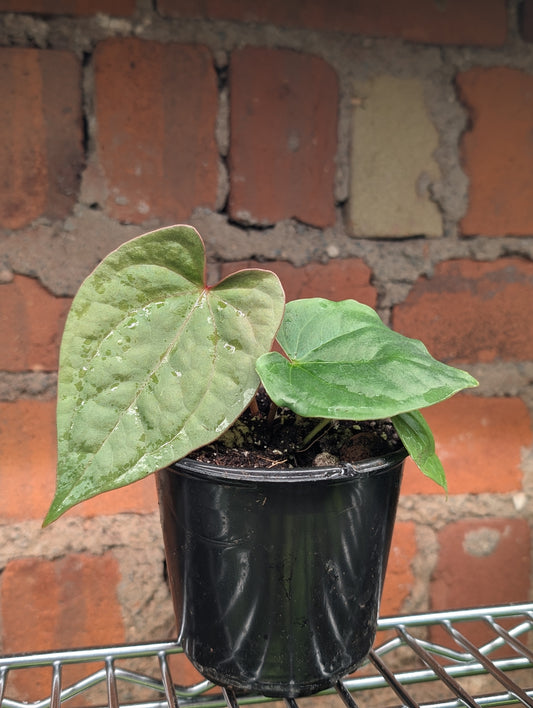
(50, 517)
(57, 508)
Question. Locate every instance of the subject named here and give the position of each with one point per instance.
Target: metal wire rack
(474, 657)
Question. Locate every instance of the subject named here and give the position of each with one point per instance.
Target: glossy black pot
(276, 576)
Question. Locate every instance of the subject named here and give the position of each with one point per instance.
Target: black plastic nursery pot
(276, 575)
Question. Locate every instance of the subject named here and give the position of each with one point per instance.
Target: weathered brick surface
(337, 280)
(481, 562)
(156, 107)
(283, 137)
(69, 7)
(480, 443)
(31, 325)
(27, 482)
(40, 134)
(28, 445)
(139, 498)
(472, 311)
(176, 114)
(183, 671)
(456, 22)
(399, 579)
(497, 152)
(392, 161)
(59, 604)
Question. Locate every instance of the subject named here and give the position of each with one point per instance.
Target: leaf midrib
(142, 387)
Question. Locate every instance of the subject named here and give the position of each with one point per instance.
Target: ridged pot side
(276, 576)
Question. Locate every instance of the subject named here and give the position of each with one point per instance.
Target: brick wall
(382, 153)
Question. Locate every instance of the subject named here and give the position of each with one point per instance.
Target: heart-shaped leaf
(154, 363)
(343, 362)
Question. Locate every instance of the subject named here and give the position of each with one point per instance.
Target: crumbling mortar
(17, 31)
(449, 118)
(222, 132)
(513, 33)
(515, 54)
(422, 565)
(26, 539)
(391, 56)
(145, 571)
(40, 386)
(504, 378)
(87, 90)
(82, 33)
(135, 540)
(418, 508)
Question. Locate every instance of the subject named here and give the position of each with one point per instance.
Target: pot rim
(346, 470)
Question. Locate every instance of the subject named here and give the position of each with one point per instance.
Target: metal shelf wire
(424, 660)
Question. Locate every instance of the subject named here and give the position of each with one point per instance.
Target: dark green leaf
(418, 440)
(343, 362)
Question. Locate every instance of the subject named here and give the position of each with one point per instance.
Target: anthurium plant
(155, 363)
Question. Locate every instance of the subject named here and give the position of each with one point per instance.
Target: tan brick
(66, 603)
(480, 443)
(481, 562)
(455, 22)
(156, 107)
(497, 151)
(336, 280)
(41, 151)
(393, 141)
(31, 325)
(69, 7)
(28, 445)
(283, 137)
(399, 579)
(472, 311)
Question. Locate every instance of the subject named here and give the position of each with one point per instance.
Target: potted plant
(275, 573)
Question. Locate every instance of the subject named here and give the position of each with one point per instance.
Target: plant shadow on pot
(276, 577)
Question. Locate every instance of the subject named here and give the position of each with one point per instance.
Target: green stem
(318, 427)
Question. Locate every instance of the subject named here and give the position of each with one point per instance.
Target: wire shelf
(474, 657)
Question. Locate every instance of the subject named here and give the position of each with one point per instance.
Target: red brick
(31, 325)
(399, 579)
(497, 151)
(481, 22)
(41, 150)
(481, 562)
(139, 498)
(338, 280)
(184, 673)
(66, 603)
(283, 137)
(479, 441)
(156, 107)
(28, 445)
(27, 441)
(472, 312)
(69, 7)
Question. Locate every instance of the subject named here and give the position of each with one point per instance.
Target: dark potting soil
(269, 437)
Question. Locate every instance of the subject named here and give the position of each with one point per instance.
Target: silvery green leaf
(154, 363)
